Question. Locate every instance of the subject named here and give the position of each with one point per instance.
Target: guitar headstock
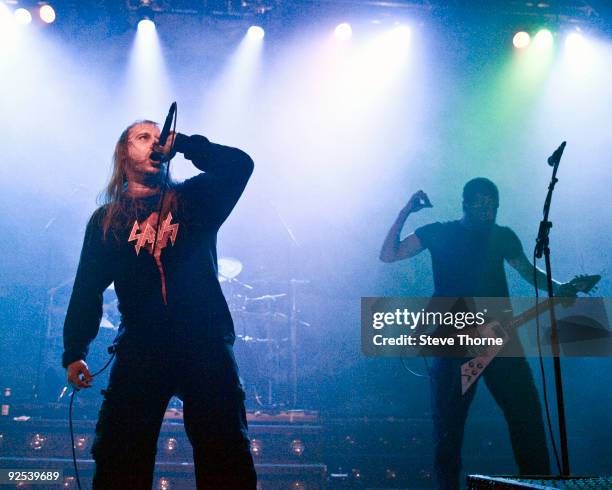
(581, 284)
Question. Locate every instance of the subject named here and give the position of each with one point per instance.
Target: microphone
(165, 132)
(555, 158)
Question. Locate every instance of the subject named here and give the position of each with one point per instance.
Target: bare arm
(393, 249)
(525, 268)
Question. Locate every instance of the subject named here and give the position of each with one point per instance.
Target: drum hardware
(229, 268)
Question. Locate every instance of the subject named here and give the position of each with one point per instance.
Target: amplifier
(480, 482)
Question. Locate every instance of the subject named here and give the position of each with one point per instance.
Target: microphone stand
(293, 315)
(542, 247)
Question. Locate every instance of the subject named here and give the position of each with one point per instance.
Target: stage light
(256, 447)
(543, 39)
(146, 26)
(171, 444)
(402, 31)
(37, 442)
(147, 79)
(81, 443)
(401, 34)
(256, 32)
(580, 54)
(5, 13)
(164, 484)
(297, 447)
(47, 14)
(575, 41)
(69, 482)
(521, 40)
(390, 474)
(145, 16)
(22, 16)
(343, 31)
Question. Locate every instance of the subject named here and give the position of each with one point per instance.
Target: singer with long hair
(155, 239)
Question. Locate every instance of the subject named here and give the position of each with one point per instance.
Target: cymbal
(267, 316)
(229, 268)
(106, 323)
(265, 298)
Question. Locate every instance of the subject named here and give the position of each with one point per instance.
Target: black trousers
(511, 383)
(142, 381)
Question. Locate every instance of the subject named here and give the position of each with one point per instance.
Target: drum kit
(266, 328)
(266, 323)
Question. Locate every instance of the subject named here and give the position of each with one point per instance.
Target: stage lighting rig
(144, 10)
(213, 8)
(146, 13)
(27, 11)
(143, 13)
(239, 8)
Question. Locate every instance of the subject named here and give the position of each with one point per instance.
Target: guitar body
(472, 369)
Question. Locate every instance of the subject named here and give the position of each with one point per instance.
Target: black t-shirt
(469, 262)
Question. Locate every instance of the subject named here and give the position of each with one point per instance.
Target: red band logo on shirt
(145, 235)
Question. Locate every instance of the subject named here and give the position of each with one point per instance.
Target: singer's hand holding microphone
(166, 152)
(163, 150)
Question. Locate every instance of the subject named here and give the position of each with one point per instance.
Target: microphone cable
(72, 395)
(165, 183)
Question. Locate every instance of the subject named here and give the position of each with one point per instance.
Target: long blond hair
(111, 196)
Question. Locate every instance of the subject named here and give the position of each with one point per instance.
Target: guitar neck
(530, 314)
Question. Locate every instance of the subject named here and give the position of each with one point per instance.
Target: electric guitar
(473, 369)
